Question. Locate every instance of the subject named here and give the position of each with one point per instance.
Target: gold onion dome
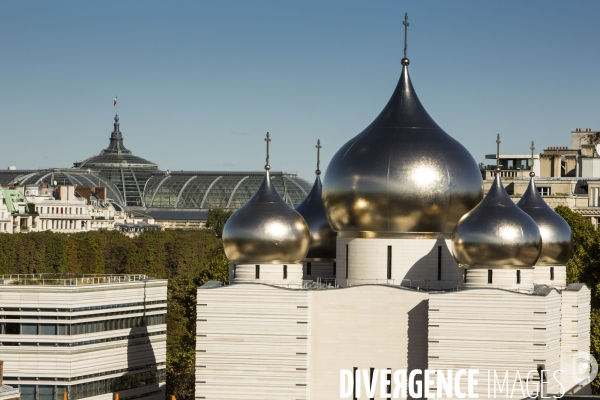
(322, 237)
(496, 233)
(557, 239)
(402, 174)
(266, 230)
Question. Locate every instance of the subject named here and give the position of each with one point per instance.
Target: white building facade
(89, 336)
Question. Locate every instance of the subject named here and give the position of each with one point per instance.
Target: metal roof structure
(133, 182)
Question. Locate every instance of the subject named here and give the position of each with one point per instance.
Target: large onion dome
(557, 239)
(322, 237)
(496, 233)
(266, 230)
(402, 174)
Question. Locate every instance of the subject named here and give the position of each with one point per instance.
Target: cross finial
(498, 151)
(267, 139)
(406, 25)
(318, 147)
(532, 159)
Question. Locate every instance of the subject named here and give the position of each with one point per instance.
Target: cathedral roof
(496, 233)
(402, 174)
(266, 230)
(556, 233)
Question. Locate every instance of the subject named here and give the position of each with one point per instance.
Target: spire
(116, 140)
(318, 147)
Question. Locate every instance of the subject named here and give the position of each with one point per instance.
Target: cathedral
(395, 266)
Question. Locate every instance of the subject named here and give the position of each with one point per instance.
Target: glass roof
(226, 190)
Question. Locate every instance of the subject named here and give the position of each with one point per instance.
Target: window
(46, 392)
(48, 329)
(551, 273)
(465, 276)
(544, 191)
(27, 392)
(285, 272)
(518, 276)
(389, 262)
(308, 268)
(29, 329)
(347, 251)
(489, 276)
(257, 272)
(12, 329)
(439, 263)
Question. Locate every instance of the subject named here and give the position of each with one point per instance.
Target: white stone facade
(418, 263)
(90, 337)
(258, 341)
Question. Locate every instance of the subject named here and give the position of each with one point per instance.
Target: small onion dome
(496, 233)
(557, 239)
(402, 174)
(266, 230)
(322, 237)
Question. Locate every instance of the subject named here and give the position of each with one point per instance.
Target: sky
(199, 83)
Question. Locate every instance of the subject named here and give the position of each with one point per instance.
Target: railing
(67, 280)
(417, 284)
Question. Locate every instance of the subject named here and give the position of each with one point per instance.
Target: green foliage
(216, 219)
(188, 258)
(584, 267)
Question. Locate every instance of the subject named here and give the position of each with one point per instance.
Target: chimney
(101, 192)
(60, 192)
(85, 192)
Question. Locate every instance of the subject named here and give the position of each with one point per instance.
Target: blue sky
(199, 83)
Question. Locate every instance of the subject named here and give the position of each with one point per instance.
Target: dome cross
(406, 25)
(318, 147)
(498, 151)
(532, 148)
(267, 139)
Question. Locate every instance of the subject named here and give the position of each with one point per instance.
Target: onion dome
(496, 233)
(322, 237)
(402, 174)
(557, 239)
(266, 230)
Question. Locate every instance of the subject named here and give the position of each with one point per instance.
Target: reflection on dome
(402, 174)
(496, 233)
(322, 237)
(556, 233)
(266, 230)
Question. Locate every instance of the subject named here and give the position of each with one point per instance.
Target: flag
(115, 102)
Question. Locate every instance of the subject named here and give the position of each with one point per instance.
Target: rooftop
(69, 279)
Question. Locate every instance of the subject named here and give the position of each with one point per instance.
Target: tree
(216, 219)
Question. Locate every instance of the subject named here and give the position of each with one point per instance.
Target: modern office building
(89, 336)
(430, 275)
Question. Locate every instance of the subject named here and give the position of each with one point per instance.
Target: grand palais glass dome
(137, 184)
